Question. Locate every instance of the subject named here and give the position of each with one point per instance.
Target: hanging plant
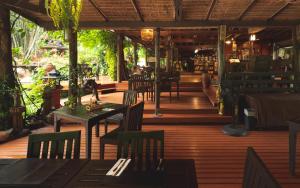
(64, 13)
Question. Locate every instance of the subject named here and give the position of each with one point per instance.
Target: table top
(92, 173)
(81, 113)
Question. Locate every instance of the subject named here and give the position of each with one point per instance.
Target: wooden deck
(190, 108)
(219, 158)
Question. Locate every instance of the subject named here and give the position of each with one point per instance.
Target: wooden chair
(132, 122)
(293, 129)
(138, 83)
(256, 174)
(131, 144)
(129, 99)
(54, 145)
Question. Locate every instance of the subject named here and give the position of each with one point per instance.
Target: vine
(64, 13)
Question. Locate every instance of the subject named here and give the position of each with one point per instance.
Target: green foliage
(34, 98)
(100, 51)
(64, 13)
(6, 101)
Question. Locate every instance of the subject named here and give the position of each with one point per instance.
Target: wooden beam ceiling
(178, 10)
(94, 4)
(25, 4)
(286, 5)
(250, 5)
(25, 14)
(137, 10)
(212, 5)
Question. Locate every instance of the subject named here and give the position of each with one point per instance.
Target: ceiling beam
(250, 5)
(24, 5)
(178, 10)
(94, 4)
(137, 10)
(132, 25)
(24, 14)
(286, 5)
(212, 5)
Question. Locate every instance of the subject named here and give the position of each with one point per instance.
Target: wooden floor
(219, 158)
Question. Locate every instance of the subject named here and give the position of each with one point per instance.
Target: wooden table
(91, 174)
(88, 119)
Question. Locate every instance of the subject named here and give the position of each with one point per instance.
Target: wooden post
(221, 55)
(73, 61)
(6, 68)
(157, 70)
(146, 57)
(120, 56)
(135, 54)
(171, 56)
(296, 48)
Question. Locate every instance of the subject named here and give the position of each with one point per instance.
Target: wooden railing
(260, 82)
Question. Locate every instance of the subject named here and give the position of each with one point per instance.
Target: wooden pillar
(275, 51)
(221, 54)
(73, 61)
(146, 56)
(120, 56)
(157, 70)
(171, 56)
(296, 48)
(135, 54)
(6, 68)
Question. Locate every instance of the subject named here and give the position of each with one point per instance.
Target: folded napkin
(118, 167)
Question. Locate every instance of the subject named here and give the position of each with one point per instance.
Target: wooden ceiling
(189, 23)
(130, 14)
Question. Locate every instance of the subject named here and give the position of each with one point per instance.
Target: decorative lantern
(147, 34)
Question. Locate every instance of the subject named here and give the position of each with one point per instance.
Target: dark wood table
(88, 119)
(91, 174)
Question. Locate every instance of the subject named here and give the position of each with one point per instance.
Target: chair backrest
(53, 145)
(129, 97)
(256, 174)
(144, 148)
(136, 82)
(134, 117)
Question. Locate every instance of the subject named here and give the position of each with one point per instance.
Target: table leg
(88, 140)
(97, 129)
(57, 124)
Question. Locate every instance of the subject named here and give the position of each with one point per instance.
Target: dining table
(88, 119)
(59, 173)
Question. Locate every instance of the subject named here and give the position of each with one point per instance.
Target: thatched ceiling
(169, 13)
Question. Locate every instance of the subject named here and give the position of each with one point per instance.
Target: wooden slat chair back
(132, 122)
(62, 145)
(129, 97)
(256, 174)
(134, 117)
(293, 129)
(137, 83)
(144, 148)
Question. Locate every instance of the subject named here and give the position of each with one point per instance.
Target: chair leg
(102, 148)
(97, 130)
(105, 126)
(143, 96)
(292, 152)
(170, 96)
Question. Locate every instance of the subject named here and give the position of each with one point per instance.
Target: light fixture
(147, 34)
(252, 37)
(196, 51)
(228, 42)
